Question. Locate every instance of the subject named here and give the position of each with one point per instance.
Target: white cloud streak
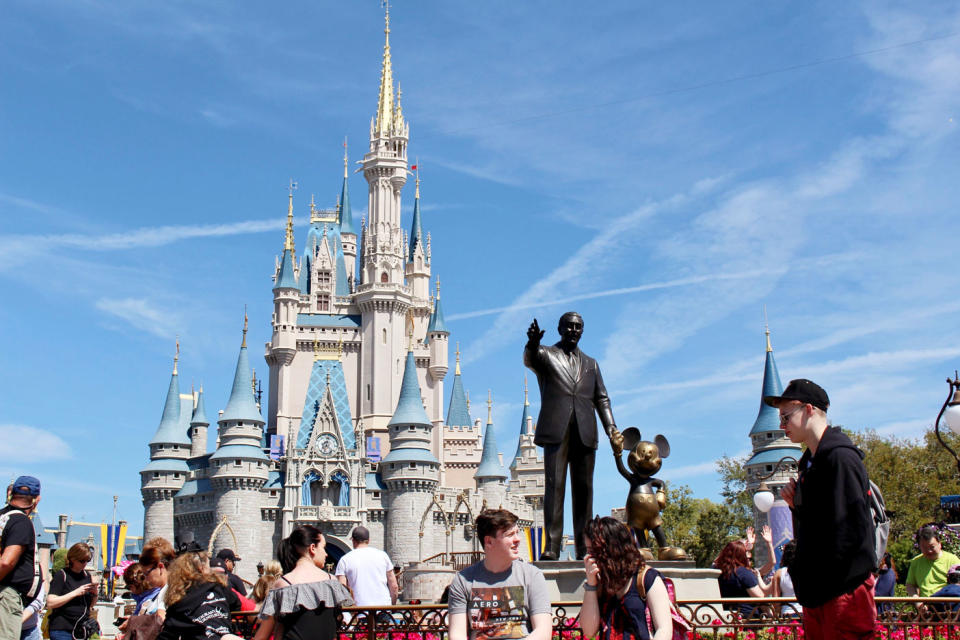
(22, 443)
(142, 314)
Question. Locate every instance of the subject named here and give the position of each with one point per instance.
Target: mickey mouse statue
(647, 496)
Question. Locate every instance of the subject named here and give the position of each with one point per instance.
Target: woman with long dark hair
(196, 601)
(72, 595)
(737, 579)
(619, 588)
(304, 601)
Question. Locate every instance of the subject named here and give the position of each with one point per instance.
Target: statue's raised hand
(534, 333)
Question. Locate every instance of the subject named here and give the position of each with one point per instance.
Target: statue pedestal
(565, 579)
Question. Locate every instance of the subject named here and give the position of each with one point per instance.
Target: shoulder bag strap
(640, 588)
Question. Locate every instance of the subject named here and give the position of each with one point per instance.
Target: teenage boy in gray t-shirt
(501, 596)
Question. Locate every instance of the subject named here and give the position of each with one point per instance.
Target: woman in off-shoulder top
(304, 602)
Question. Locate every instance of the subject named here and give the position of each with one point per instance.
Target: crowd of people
(829, 571)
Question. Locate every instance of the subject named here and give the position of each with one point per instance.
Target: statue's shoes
(672, 553)
(548, 555)
(646, 553)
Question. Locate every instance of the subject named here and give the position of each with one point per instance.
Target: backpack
(35, 586)
(680, 626)
(881, 521)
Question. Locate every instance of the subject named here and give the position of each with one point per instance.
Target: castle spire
(416, 230)
(437, 324)
(286, 277)
(288, 244)
(457, 370)
(768, 419)
(169, 430)
(346, 213)
(385, 101)
(524, 418)
(241, 405)
(490, 466)
(176, 356)
(458, 412)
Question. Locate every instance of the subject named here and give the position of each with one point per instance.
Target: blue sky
(667, 170)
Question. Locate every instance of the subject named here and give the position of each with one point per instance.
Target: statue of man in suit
(571, 389)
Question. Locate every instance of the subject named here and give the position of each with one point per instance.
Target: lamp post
(950, 413)
(763, 498)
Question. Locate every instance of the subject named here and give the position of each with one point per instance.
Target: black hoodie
(202, 614)
(832, 522)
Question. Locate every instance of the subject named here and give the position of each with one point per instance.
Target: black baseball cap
(227, 554)
(801, 390)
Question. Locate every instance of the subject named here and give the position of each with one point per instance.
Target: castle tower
(283, 345)
(770, 445)
(198, 428)
(410, 472)
(348, 232)
(417, 269)
(383, 298)
(436, 339)
(526, 469)
(167, 470)
(239, 469)
(461, 436)
(491, 477)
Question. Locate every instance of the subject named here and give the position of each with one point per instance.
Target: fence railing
(456, 559)
(721, 619)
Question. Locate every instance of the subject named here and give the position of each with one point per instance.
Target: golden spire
(526, 393)
(409, 329)
(176, 356)
(316, 348)
(457, 370)
(288, 244)
(385, 101)
(243, 345)
(416, 193)
(253, 383)
(468, 402)
(489, 406)
(345, 161)
(398, 113)
(313, 208)
(438, 287)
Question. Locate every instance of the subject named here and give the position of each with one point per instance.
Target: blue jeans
(33, 633)
(60, 635)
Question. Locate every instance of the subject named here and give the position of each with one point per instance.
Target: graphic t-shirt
(366, 572)
(18, 531)
(499, 605)
(929, 576)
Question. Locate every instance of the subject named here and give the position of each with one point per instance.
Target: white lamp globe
(763, 500)
(951, 417)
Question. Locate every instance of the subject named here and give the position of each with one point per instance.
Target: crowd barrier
(721, 619)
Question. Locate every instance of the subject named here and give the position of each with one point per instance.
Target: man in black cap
(832, 522)
(228, 560)
(19, 571)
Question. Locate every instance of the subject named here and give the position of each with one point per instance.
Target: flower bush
(949, 537)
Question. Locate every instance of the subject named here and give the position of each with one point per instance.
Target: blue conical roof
(457, 413)
(241, 405)
(768, 418)
(410, 405)
(343, 287)
(523, 429)
(490, 466)
(169, 430)
(437, 325)
(416, 231)
(286, 278)
(346, 214)
(199, 414)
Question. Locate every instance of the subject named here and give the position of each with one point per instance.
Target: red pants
(848, 616)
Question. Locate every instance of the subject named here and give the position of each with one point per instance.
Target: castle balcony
(325, 513)
(385, 287)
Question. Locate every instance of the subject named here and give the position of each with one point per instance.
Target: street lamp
(950, 413)
(763, 498)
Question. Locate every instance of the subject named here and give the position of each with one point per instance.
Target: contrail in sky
(668, 284)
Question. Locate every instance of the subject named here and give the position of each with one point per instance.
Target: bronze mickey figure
(571, 396)
(647, 496)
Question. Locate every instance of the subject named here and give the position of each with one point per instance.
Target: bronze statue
(571, 390)
(647, 496)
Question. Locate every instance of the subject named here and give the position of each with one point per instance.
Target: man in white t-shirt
(368, 572)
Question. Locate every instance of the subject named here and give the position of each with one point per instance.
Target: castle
(355, 431)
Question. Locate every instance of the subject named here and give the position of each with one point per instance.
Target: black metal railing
(720, 619)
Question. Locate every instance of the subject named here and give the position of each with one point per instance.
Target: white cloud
(23, 443)
(142, 314)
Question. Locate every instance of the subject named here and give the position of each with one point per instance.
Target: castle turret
(526, 469)
(461, 436)
(417, 269)
(491, 477)
(198, 428)
(348, 231)
(437, 338)
(410, 471)
(286, 296)
(239, 468)
(167, 470)
(770, 445)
